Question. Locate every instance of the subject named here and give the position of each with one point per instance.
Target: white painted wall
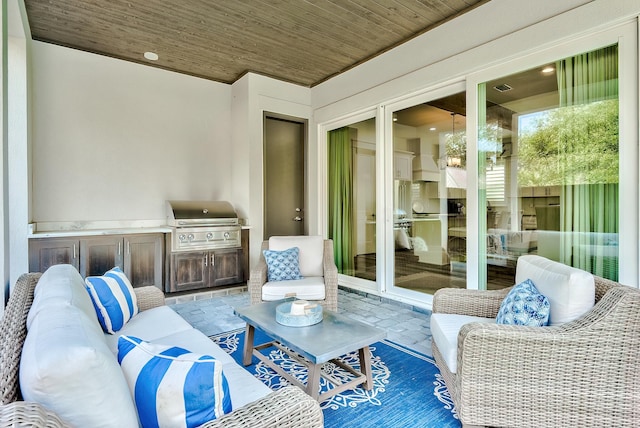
(253, 95)
(112, 140)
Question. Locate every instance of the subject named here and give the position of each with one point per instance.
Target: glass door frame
(388, 282)
(625, 35)
(323, 128)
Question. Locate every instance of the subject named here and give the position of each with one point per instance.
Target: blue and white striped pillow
(114, 299)
(171, 386)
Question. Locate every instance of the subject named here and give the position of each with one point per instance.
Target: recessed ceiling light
(151, 56)
(432, 128)
(548, 70)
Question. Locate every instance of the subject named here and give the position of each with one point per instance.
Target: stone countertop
(77, 229)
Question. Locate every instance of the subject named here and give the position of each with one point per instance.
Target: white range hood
(425, 168)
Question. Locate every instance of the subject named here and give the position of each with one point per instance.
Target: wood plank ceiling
(300, 41)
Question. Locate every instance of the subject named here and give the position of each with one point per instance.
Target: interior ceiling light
(548, 69)
(151, 56)
(432, 128)
(502, 88)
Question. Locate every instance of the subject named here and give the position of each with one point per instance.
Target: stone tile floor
(212, 313)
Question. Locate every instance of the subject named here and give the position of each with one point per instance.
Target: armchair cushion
(524, 305)
(445, 329)
(311, 251)
(173, 387)
(282, 265)
(308, 288)
(571, 291)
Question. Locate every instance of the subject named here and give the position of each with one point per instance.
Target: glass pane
(430, 181)
(548, 157)
(352, 198)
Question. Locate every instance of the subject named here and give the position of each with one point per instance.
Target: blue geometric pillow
(524, 305)
(282, 265)
(172, 386)
(113, 298)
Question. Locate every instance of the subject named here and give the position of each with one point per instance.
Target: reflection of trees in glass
(571, 145)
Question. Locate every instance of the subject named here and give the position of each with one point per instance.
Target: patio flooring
(212, 313)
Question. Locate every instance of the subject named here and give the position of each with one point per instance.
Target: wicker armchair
(288, 407)
(258, 277)
(578, 374)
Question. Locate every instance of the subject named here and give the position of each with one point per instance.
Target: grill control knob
(182, 237)
(209, 236)
(226, 235)
(190, 237)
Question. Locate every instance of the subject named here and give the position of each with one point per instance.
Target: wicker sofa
(577, 374)
(288, 407)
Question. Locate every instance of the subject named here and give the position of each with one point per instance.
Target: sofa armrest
(149, 297)
(479, 303)
(28, 414)
(258, 277)
(330, 276)
(288, 407)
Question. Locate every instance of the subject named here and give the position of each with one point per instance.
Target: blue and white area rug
(408, 390)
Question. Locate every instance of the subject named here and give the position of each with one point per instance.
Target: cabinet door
(44, 253)
(143, 255)
(98, 254)
(226, 267)
(189, 271)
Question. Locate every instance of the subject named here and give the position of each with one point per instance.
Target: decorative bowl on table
(298, 313)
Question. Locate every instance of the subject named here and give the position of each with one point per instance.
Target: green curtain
(341, 198)
(588, 209)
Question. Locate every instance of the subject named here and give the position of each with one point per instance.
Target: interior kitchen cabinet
(140, 256)
(403, 169)
(203, 269)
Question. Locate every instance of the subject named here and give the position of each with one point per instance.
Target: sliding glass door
(352, 198)
(548, 165)
(429, 175)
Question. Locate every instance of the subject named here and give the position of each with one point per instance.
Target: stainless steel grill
(202, 225)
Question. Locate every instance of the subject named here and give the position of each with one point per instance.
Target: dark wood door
(99, 254)
(143, 258)
(226, 267)
(284, 179)
(189, 271)
(47, 252)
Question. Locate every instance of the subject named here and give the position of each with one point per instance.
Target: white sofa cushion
(173, 386)
(571, 291)
(445, 329)
(244, 387)
(308, 288)
(67, 367)
(61, 285)
(311, 252)
(150, 325)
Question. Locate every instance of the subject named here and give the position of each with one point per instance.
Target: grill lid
(203, 213)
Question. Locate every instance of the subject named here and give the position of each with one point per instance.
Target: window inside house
(548, 157)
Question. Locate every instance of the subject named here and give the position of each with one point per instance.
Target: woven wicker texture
(288, 407)
(582, 373)
(13, 331)
(258, 277)
(149, 297)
